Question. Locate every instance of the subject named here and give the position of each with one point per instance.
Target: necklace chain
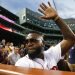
(40, 64)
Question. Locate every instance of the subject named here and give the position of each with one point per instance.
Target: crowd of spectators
(9, 53)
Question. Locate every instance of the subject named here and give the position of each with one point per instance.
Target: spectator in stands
(7, 48)
(63, 65)
(22, 51)
(1, 54)
(11, 46)
(14, 56)
(37, 57)
(72, 55)
(4, 55)
(3, 42)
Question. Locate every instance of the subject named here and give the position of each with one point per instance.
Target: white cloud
(65, 8)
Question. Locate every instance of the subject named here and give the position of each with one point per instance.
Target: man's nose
(29, 43)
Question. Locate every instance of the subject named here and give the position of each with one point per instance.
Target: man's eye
(30, 40)
(33, 40)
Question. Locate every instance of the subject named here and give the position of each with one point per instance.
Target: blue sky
(65, 8)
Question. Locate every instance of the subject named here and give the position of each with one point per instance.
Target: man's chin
(33, 53)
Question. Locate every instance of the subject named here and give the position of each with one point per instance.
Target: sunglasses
(31, 41)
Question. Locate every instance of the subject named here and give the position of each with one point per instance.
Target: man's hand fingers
(49, 4)
(40, 10)
(42, 7)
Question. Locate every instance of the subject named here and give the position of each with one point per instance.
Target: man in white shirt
(14, 56)
(37, 57)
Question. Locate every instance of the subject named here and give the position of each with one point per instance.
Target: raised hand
(48, 11)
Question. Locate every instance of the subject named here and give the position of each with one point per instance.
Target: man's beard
(36, 53)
